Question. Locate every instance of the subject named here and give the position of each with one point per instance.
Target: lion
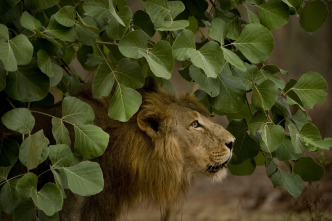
(155, 156)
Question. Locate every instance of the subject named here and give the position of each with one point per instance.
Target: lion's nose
(229, 145)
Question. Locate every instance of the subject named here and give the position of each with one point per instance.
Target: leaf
(291, 182)
(233, 59)
(272, 136)
(2, 79)
(255, 43)
(30, 22)
(257, 121)
(48, 199)
(266, 94)
(59, 31)
(39, 5)
(32, 149)
(308, 169)
(160, 59)
(310, 88)
(19, 119)
(25, 211)
(4, 171)
(313, 15)
(300, 119)
(66, 16)
(16, 51)
(217, 30)
(60, 132)
(163, 14)
(244, 169)
(76, 111)
(90, 140)
(101, 9)
(273, 14)
(124, 104)
(8, 197)
(85, 35)
(115, 30)
(184, 45)
(209, 58)
(143, 21)
(265, 74)
(134, 42)
(244, 147)
(210, 85)
(27, 185)
(285, 151)
(310, 137)
(45, 63)
(85, 178)
(27, 84)
(129, 73)
(232, 95)
(103, 81)
(294, 134)
(60, 155)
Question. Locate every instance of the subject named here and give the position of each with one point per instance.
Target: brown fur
(148, 157)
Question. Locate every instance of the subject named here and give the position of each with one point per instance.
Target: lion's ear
(149, 121)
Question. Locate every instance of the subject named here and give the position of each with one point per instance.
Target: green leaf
(19, 119)
(60, 132)
(184, 45)
(244, 169)
(9, 152)
(291, 182)
(244, 147)
(30, 22)
(124, 104)
(142, 20)
(59, 31)
(27, 84)
(217, 30)
(272, 136)
(85, 178)
(210, 85)
(273, 14)
(103, 81)
(115, 30)
(6, 6)
(2, 79)
(17, 51)
(66, 16)
(257, 121)
(308, 169)
(249, 76)
(300, 119)
(76, 111)
(134, 42)
(4, 171)
(33, 150)
(129, 73)
(255, 43)
(85, 35)
(294, 3)
(285, 151)
(163, 13)
(310, 137)
(313, 15)
(27, 185)
(233, 59)
(48, 199)
(8, 197)
(209, 58)
(310, 88)
(60, 155)
(45, 63)
(39, 5)
(232, 95)
(160, 59)
(294, 134)
(101, 9)
(25, 211)
(265, 74)
(266, 94)
(90, 140)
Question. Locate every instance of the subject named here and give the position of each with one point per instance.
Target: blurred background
(253, 198)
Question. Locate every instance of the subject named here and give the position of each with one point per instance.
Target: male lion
(154, 156)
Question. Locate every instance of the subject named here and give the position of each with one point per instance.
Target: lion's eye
(195, 124)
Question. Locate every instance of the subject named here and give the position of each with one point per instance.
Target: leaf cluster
(221, 49)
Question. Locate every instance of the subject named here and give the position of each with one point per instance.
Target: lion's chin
(217, 172)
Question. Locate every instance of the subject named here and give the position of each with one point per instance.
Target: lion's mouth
(214, 169)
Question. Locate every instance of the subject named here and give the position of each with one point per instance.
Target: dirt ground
(250, 198)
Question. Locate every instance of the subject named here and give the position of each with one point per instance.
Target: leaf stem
(14, 177)
(107, 62)
(106, 43)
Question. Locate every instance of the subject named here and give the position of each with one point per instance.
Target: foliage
(220, 47)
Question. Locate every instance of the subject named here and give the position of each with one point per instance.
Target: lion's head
(157, 153)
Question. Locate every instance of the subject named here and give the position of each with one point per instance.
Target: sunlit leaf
(272, 136)
(217, 30)
(233, 59)
(30, 22)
